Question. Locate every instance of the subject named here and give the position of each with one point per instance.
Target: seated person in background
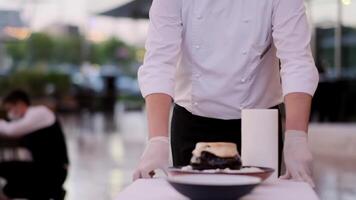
(38, 130)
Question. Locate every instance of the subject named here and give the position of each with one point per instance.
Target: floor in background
(103, 154)
(104, 149)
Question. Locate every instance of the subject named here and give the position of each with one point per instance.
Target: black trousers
(188, 129)
(30, 181)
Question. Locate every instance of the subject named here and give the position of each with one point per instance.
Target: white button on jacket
(235, 47)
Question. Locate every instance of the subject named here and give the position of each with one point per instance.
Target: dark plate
(213, 186)
(263, 174)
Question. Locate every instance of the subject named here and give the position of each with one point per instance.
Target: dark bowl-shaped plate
(213, 186)
(263, 173)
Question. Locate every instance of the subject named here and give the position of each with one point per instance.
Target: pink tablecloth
(153, 189)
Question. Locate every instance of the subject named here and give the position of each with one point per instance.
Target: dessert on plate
(215, 155)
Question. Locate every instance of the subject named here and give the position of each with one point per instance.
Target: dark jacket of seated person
(38, 130)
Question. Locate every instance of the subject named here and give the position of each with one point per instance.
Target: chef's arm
(156, 79)
(291, 36)
(297, 156)
(158, 109)
(297, 111)
(156, 76)
(156, 153)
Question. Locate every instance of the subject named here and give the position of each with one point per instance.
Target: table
(153, 189)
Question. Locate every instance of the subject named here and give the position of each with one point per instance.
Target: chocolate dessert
(217, 155)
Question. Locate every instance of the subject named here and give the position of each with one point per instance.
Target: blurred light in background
(17, 33)
(346, 2)
(96, 36)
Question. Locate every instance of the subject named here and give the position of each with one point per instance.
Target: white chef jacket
(36, 118)
(217, 57)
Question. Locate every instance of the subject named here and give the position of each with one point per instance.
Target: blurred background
(80, 58)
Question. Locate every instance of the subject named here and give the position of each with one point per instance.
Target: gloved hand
(297, 157)
(155, 156)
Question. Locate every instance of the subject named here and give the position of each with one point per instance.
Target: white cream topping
(220, 149)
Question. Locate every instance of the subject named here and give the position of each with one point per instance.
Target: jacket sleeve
(292, 35)
(163, 47)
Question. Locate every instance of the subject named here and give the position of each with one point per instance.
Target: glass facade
(326, 16)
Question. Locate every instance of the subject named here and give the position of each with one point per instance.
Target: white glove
(155, 156)
(297, 157)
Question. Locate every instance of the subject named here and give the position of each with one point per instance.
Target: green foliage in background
(40, 47)
(38, 83)
(112, 51)
(69, 49)
(17, 50)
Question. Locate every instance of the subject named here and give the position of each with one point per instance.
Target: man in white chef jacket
(213, 59)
